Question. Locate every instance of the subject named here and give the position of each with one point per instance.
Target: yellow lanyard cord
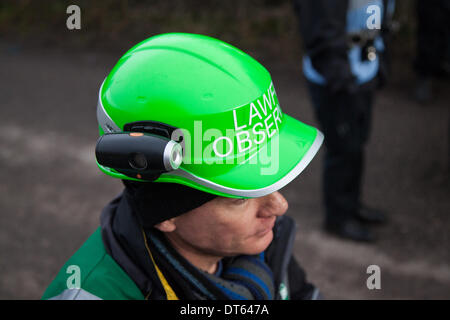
(167, 288)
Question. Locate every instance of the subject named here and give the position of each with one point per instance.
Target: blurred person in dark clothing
(433, 45)
(343, 65)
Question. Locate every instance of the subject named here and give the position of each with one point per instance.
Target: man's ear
(166, 225)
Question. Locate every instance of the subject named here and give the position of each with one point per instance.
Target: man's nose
(273, 204)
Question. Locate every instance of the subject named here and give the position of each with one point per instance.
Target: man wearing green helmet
(193, 127)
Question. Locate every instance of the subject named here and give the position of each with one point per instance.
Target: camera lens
(176, 157)
(137, 161)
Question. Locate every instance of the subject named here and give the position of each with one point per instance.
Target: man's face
(227, 227)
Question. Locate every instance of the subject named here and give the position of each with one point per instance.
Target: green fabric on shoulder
(94, 271)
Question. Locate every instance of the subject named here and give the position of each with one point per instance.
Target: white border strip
(254, 193)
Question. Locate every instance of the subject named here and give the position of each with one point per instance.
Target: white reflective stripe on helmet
(255, 193)
(104, 120)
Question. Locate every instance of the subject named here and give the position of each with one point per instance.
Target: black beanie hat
(154, 202)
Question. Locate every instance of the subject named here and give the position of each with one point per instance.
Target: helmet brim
(297, 144)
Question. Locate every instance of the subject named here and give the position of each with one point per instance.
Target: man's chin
(260, 243)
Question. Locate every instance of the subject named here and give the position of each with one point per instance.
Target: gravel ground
(51, 192)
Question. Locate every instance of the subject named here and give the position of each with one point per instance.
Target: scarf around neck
(244, 277)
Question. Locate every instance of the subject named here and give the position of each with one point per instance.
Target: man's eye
(240, 201)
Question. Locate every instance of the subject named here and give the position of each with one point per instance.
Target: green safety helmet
(191, 109)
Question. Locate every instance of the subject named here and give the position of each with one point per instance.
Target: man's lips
(267, 228)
